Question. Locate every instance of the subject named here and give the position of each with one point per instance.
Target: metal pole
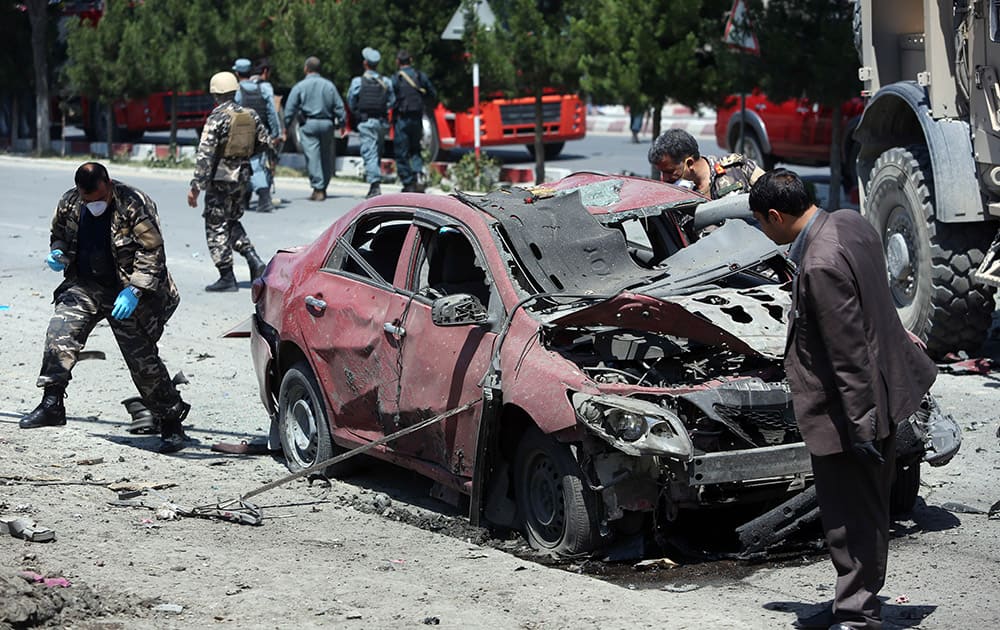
(475, 105)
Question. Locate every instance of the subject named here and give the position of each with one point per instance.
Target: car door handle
(394, 329)
(760, 107)
(315, 303)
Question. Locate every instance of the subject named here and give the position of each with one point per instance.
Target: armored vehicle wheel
(558, 512)
(930, 264)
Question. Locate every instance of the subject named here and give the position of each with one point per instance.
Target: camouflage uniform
(733, 173)
(225, 181)
(80, 303)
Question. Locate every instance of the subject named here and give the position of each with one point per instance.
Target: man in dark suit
(854, 373)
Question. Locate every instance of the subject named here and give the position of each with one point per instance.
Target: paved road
(942, 564)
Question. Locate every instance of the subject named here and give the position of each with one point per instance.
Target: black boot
(172, 436)
(226, 281)
(374, 190)
(50, 413)
(264, 200)
(257, 266)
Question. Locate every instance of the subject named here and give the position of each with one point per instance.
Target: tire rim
(545, 499)
(901, 256)
(300, 429)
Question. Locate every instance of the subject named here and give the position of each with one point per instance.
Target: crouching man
(106, 240)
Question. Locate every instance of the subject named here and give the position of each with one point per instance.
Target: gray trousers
(854, 502)
(316, 139)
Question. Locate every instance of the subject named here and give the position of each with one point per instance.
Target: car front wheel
(558, 512)
(302, 422)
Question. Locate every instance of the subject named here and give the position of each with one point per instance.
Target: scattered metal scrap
(26, 529)
(236, 511)
(758, 536)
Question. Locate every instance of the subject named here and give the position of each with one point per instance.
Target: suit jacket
(851, 365)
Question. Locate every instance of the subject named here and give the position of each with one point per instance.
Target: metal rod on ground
(361, 449)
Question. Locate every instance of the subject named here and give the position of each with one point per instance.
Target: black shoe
(264, 200)
(49, 413)
(409, 188)
(374, 190)
(257, 266)
(818, 621)
(226, 282)
(317, 195)
(172, 436)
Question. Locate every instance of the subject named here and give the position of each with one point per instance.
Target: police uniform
(412, 88)
(123, 247)
(259, 96)
(729, 174)
(232, 134)
(317, 105)
(370, 98)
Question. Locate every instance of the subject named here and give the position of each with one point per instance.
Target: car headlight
(633, 426)
(625, 424)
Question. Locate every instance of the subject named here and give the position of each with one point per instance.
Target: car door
(442, 367)
(347, 299)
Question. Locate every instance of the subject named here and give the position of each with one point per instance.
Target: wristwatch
(136, 291)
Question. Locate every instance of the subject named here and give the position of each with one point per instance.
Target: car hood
(749, 321)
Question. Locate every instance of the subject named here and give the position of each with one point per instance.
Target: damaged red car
(621, 363)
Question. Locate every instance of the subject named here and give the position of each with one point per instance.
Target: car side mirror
(459, 309)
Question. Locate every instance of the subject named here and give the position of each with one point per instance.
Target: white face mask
(97, 208)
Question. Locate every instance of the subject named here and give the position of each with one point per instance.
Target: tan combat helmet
(223, 83)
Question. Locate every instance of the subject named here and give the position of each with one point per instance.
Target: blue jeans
(372, 133)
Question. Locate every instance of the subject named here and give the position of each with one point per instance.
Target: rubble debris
(252, 447)
(655, 563)
(169, 608)
(26, 529)
(234, 511)
(432, 621)
(979, 365)
(961, 508)
(90, 462)
(994, 510)
(37, 578)
(902, 599)
(768, 529)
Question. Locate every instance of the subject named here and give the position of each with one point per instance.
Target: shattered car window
(374, 251)
(447, 265)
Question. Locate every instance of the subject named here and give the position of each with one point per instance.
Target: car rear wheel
(903, 494)
(752, 150)
(557, 510)
(302, 422)
(551, 149)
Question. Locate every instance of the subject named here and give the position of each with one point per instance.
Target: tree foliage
(807, 50)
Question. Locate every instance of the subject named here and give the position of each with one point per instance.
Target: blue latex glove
(56, 260)
(125, 304)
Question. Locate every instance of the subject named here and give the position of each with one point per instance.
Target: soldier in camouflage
(106, 240)
(232, 134)
(675, 154)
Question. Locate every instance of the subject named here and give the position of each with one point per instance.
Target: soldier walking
(257, 94)
(106, 240)
(232, 134)
(413, 89)
(316, 104)
(370, 98)
(675, 154)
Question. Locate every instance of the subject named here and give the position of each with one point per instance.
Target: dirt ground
(372, 551)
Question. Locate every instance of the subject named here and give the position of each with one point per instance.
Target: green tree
(646, 51)
(528, 51)
(801, 40)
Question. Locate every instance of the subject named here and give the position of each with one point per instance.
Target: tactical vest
(410, 99)
(373, 99)
(254, 99)
(242, 135)
(728, 176)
